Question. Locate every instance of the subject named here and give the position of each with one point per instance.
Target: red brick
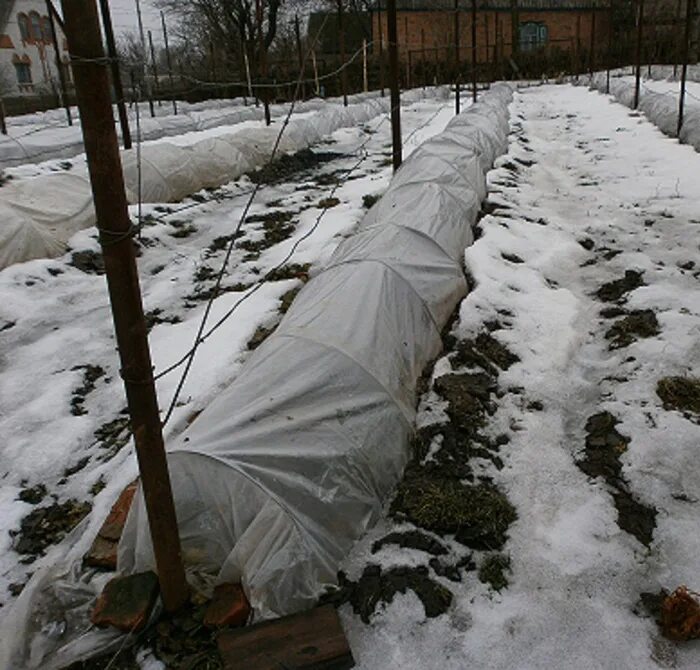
(102, 554)
(126, 603)
(228, 607)
(114, 523)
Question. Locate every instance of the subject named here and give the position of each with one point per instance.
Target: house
(426, 28)
(28, 65)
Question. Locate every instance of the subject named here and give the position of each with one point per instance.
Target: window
(46, 29)
(532, 36)
(35, 21)
(24, 73)
(24, 27)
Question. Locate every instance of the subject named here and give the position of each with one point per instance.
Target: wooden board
(312, 640)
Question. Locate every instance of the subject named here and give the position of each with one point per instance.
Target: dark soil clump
(33, 495)
(113, 436)
(493, 571)
(288, 165)
(412, 539)
(90, 375)
(604, 447)
(90, 262)
(375, 587)
(512, 258)
(155, 316)
(615, 290)
(680, 393)
(639, 323)
(45, 526)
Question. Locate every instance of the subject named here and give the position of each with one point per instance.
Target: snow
(600, 172)
(61, 320)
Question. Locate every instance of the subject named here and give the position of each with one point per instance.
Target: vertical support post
(422, 58)
(577, 47)
(679, 46)
(638, 53)
(107, 182)
(154, 68)
(51, 11)
(610, 48)
(3, 124)
(144, 79)
(457, 64)
(684, 67)
(591, 56)
(365, 78)
(116, 73)
(263, 61)
(514, 30)
(341, 44)
(381, 46)
(313, 61)
(170, 63)
(474, 51)
(300, 54)
(394, 84)
(409, 68)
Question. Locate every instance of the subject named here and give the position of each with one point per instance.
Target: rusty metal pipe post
(394, 85)
(102, 150)
(684, 67)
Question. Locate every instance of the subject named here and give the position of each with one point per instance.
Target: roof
(531, 5)
(5, 11)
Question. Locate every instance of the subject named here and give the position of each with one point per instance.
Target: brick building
(426, 28)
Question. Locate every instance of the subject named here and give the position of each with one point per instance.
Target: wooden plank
(312, 640)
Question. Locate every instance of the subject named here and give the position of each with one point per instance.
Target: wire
(232, 241)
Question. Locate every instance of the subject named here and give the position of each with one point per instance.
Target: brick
(102, 554)
(228, 607)
(126, 603)
(114, 523)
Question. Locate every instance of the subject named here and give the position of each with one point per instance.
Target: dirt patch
(639, 323)
(680, 393)
(493, 571)
(113, 436)
(616, 289)
(33, 495)
(45, 526)
(182, 229)
(376, 586)
(412, 539)
(290, 271)
(604, 447)
(479, 515)
(212, 292)
(88, 261)
(369, 200)
(328, 203)
(260, 335)
(288, 165)
(156, 316)
(221, 243)
(587, 243)
(91, 373)
(287, 299)
(612, 312)
(276, 227)
(512, 258)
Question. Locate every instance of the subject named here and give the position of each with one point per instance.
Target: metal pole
(591, 59)
(102, 151)
(170, 64)
(116, 74)
(59, 65)
(457, 93)
(474, 50)
(3, 125)
(422, 58)
(154, 68)
(381, 47)
(684, 69)
(300, 54)
(313, 61)
(610, 48)
(263, 61)
(638, 55)
(341, 43)
(394, 84)
(149, 93)
(365, 81)
(679, 47)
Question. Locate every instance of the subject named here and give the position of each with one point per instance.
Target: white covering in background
(39, 215)
(660, 108)
(292, 463)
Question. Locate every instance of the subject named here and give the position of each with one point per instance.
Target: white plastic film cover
(292, 463)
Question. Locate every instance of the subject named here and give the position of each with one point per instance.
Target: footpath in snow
(555, 487)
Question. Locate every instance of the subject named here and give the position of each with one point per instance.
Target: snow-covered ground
(61, 398)
(588, 193)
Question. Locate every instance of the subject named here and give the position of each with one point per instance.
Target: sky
(125, 21)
